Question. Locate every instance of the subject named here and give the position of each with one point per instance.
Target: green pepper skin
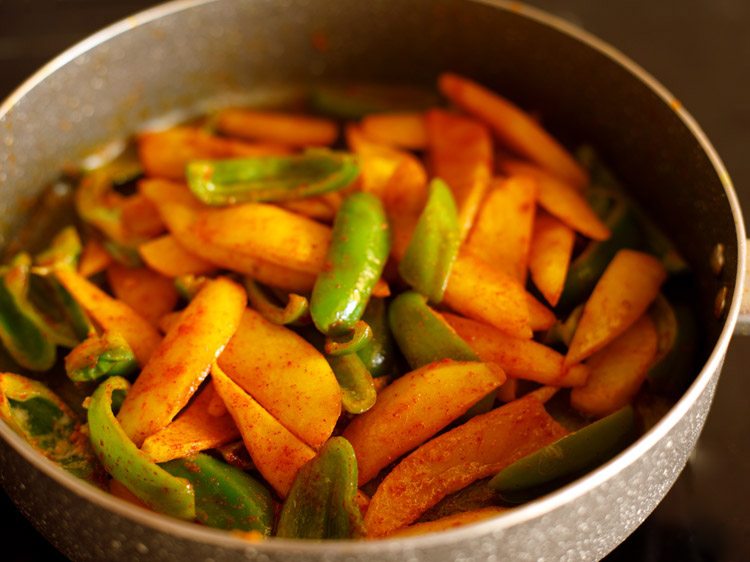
(678, 336)
(586, 269)
(295, 309)
(359, 249)
(95, 205)
(107, 355)
(354, 101)
(379, 355)
(357, 387)
(271, 178)
(561, 333)
(422, 336)
(322, 502)
(566, 457)
(225, 497)
(433, 248)
(153, 485)
(48, 425)
(64, 250)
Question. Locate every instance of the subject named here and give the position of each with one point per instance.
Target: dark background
(700, 50)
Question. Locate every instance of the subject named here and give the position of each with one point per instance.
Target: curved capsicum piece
(100, 356)
(433, 248)
(322, 502)
(355, 260)
(379, 354)
(294, 310)
(64, 250)
(99, 205)
(153, 485)
(48, 425)
(357, 387)
(225, 496)
(271, 178)
(566, 457)
(586, 269)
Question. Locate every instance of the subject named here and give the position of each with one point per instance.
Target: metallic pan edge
(531, 511)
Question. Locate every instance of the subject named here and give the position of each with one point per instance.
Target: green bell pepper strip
(379, 354)
(48, 425)
(474, 496)
(359, 248)
(271, 178)
(322, 501)
(64, 250)
(678, 335)
(153, 485)
(295, 309)
(354, 101)
(423, 337)
(433, 248)
(566, 457)
(96, 205)
(586, 269)
(561, 333)
(107, 355)
(357, 387)
(351, 342)
(225, 497)
(123, 253)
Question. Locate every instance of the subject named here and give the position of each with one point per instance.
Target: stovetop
(700, 50)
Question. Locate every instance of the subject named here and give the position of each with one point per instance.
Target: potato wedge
(112, 315)
(549, 257)
(94, 259)
(140, 218)
(147, 292)
(277, 127)
(165, 154)
(399, 130)
(449, 522)
(540, 317)
(617, 371)
(168, 257)
(514, 127)
(477, 449)
(275, 451)
(414, 408)
(623, 293)
(519, 358)
(460, 150)
(561, 200)
(377, 162)
(286, 375)
(503, 228)
(183, 359)
(484, 293)
(196, 429)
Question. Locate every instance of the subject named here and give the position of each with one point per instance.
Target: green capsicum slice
(294, 310)
(322, 502)
(678, 332)
(225, 496)
(96, 357)
(64, 250)
(48, 425)
(354, 101)
(561, 333)
(359, 248)
(357, 387)
(97, 204)
(271, 178)
(379, 354)
(433, 248)
(566, 457)
(153, 485)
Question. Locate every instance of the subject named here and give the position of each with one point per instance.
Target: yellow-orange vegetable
(520, 358)
(196, 429)
(549, 258)
(277, 127)
(415, 407)
(625, 290)
(112, 315)
(449, 522)
(149, 293)
(275, 451)
(286, 375)
(540, 317)
(377, 162)
(183, 359)
(515, 128)
(401, 130)
(94, 259)
(460, 150)
(503, 228)
(477, 449)
(617, 371)
(140, 218)
(168, 257)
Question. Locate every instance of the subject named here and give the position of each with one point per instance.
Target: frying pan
(184, 57)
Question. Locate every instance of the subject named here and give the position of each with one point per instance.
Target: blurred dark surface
(700, 50)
